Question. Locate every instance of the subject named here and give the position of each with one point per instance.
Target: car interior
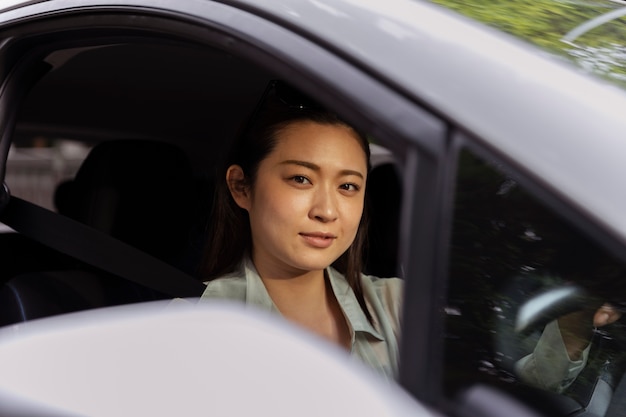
(157, 120)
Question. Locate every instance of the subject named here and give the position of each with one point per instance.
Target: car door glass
(522, 280)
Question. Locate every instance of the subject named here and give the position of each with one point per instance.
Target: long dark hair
(229, 236)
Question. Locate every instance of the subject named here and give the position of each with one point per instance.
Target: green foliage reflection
(544, 23)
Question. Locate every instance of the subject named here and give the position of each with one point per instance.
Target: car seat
(138, 191)
(384, 191)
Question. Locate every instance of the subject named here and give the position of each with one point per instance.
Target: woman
(292, 205)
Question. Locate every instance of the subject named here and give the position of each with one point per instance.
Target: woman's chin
(313, 263)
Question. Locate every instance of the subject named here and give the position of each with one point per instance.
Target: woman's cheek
(285, 203)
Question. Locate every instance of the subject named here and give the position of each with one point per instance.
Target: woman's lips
(318, 239)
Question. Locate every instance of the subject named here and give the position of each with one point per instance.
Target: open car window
(132, 151)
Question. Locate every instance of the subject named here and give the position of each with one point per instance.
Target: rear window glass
(35, 168)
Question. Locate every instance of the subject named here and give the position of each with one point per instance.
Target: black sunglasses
(278, 92)
(291, 97)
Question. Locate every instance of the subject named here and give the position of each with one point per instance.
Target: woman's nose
(324, 207)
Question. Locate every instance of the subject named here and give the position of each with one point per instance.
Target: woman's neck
(296, 294)
(307, 299)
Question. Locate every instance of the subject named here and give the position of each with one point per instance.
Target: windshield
(591, 33)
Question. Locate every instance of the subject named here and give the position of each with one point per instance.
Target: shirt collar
(350, 305)
(257, 294)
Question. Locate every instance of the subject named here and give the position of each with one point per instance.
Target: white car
(501, 181)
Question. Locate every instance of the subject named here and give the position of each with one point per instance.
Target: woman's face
(307, 200)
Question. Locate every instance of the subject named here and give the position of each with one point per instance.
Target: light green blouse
(374, 343)
(549, 366)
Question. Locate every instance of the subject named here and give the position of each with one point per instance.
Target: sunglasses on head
(280, 93)
(291, 97)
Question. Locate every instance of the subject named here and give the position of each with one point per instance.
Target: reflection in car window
(508, 250)
(591, 33)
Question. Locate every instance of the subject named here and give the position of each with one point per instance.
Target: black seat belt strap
(97, 249)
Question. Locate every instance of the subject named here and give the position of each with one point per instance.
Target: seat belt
(97, 249)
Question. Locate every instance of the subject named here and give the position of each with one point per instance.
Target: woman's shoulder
(388, 292)
(384, 298)
(231, 285)
(391, 284)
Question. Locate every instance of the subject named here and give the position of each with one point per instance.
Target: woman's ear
(235, 178)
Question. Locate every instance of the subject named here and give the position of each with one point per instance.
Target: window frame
(416, 137)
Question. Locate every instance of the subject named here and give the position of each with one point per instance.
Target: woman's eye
(349, 187)
(300, 179)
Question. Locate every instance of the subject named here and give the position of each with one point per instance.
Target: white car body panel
(161, 359)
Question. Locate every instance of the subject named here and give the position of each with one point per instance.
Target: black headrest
(138, 191)
(384, 189)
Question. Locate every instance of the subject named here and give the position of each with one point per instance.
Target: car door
(90, 91)
(96, 36)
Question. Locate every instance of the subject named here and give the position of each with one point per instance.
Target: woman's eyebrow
(316, 167)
